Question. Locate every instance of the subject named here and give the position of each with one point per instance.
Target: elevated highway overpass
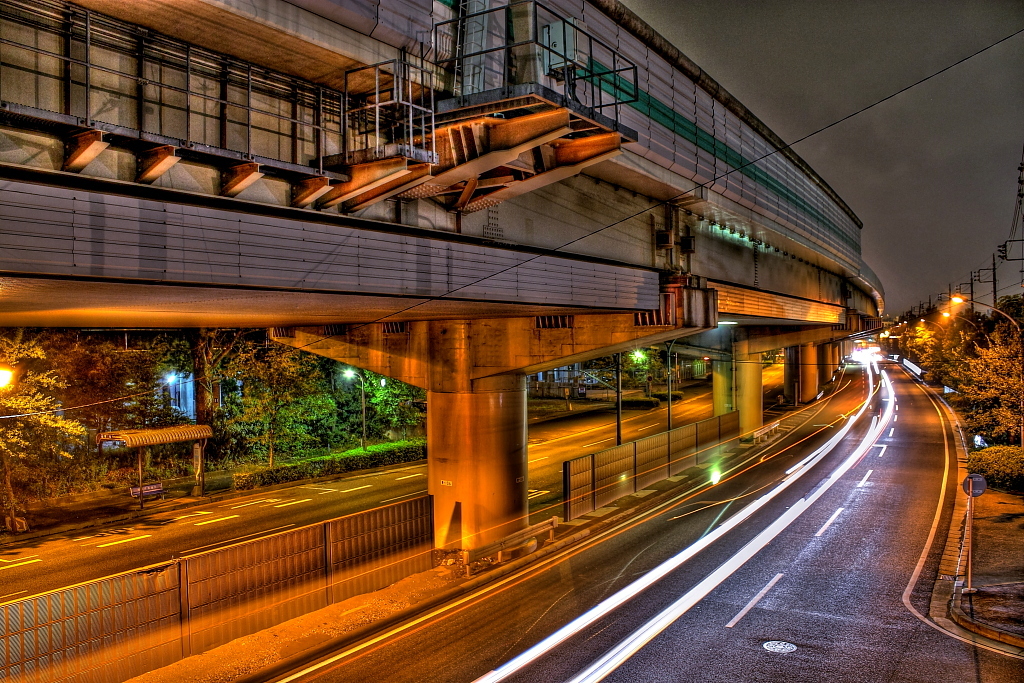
(456, 195)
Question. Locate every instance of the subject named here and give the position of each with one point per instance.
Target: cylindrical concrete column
(808, 372)
(476, 450)
(835, 357)
(721, 386)
(791, 374)
(749, 389)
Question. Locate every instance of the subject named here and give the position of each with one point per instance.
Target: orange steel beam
(364, 178)
(153, 163)
(416, 175)
(81, 149)
(235, 179)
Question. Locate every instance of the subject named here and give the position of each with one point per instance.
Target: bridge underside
(39, 302)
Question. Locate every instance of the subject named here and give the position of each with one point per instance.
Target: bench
(510, 542)
(148, 490)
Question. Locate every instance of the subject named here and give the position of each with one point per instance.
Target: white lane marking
(294, 502)
(612, 659)
(410, 476)
(323, 491)
(211, 521)
(356, 488)
(883, 447)
(891, 430)
(194, 514)
(897, 406)
(237, 538)
(124, 540)
(827, 524)
(245, 505)
(417, 493)
(753, 601)
(81, 538)
(865, 479)
(20, 564)
(534, 493)
(648, 427)
(588, 445)
(895, 417)
(23, 557)
(538, 459)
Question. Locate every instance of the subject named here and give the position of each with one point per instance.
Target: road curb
(325, 648)
(961, 619)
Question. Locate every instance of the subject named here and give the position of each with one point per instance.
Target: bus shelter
(140, 439)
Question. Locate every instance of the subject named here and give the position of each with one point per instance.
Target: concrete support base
(791, 374)
(476, 445)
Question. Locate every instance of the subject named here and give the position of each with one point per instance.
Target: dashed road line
(293, 502)
(753, 601)
(213, 521)
(588, 445)
(356, 488)
(245, 505)
(124, 540)
(417, 493)
(891, 430)
(534, 493)
(865, 479)
(827, 524)
(410, 476)
(537, 459)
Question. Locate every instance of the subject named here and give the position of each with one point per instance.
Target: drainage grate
(780, 646)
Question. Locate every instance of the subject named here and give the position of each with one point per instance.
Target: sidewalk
(994, 616)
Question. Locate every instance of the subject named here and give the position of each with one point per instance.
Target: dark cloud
(932, 173)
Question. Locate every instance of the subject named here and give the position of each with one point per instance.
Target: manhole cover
(779, 646)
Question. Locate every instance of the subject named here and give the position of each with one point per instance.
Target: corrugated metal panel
(613, 474)
(729, 427)
(374, 549)
(217, 247)
(651, 460)
(239, 590)
(578, 480)
(683, 447)
(106, 630)
(707, 437)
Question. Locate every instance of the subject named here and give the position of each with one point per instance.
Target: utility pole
(618, 399)
(995, 287)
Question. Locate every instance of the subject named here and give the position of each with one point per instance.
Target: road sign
(974, 485)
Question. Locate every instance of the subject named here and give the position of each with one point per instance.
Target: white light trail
(615, 657)
(627, 593)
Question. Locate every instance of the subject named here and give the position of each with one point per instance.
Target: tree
(32, 431)
(988, 382)
(391, 406)
(277, 383)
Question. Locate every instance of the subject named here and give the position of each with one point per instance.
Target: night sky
(932, 173)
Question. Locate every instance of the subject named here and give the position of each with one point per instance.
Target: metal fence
(592, 481)
(115, 628)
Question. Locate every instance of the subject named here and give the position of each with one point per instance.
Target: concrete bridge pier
(749, 387)
(791, 374)
(477, 451)
(808, 372)
(722, 386)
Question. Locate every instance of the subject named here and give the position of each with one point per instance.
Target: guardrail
(510, 542)
(592, 481)
(121, 626)
(763, 433)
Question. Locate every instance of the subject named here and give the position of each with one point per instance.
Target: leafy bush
(1002, 466)
(640, 403)
(377, 455)
(663, 395)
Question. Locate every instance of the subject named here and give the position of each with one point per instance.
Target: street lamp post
(957, 299)
(352, 374)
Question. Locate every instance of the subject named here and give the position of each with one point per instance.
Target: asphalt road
(833, 583)
(51, 562)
